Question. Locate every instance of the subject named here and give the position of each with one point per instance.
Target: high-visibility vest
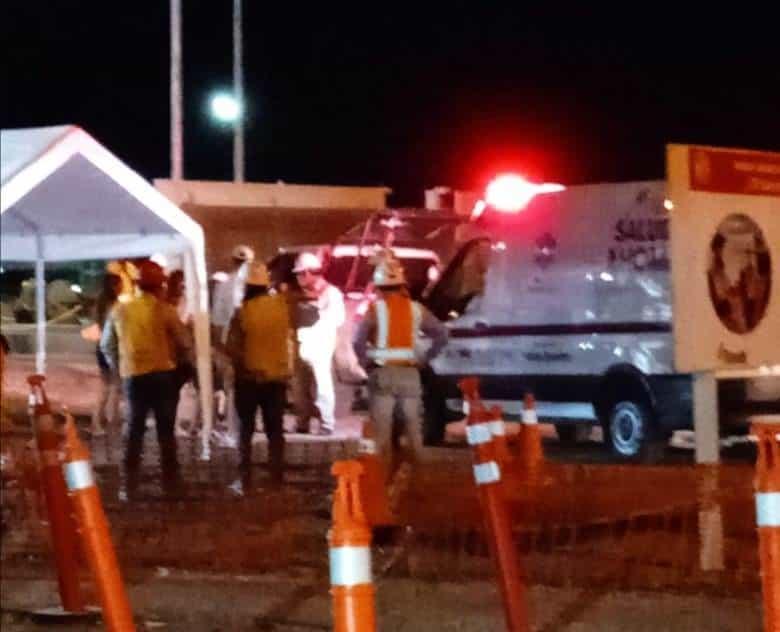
(397, 322)
(145, 344)
(265, 321)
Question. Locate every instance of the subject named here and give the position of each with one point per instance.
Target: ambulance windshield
(462, 281)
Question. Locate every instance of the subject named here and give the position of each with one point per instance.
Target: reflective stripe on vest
(394, 345)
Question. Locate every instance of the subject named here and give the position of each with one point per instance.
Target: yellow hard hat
(258, 274)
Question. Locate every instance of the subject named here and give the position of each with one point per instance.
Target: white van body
(570, 299)
(572, 303)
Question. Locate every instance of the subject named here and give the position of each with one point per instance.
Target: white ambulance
(568, 298)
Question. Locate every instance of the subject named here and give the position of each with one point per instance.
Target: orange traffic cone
(490, 484)
(95, 534)
(767, 483)
(373, 489)
(58, 508)
(351, 582)
(530, 441)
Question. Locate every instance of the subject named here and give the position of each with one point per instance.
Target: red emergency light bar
(511, 193)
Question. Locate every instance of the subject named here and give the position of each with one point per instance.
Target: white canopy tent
(65, 197)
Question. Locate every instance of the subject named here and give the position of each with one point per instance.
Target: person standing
(141, 339)
(259, 344)
(110, 385)
(386, 344)
(227, 298)
(319, 313)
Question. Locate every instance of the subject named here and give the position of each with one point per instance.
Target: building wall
(267, 216)
(279, 194)
(266, 229)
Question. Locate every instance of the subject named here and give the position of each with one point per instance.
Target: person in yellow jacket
(259, 344)
(142, 339)
(386, 344)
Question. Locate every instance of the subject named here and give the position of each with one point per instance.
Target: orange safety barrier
(487, 475)
(767, 485)
(349, 539)
(58, 507)
(95, 534)
(373, 489)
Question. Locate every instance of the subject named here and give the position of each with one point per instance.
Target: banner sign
(725, 257)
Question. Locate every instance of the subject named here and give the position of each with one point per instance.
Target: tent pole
(198, 299)
(40, 309)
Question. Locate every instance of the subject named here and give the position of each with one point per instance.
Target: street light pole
(238, 91)
(177, 136)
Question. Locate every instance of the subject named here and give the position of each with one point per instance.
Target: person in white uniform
(319, 314)
(227, 298)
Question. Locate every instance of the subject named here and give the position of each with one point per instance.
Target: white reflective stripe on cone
(50, 458)
(487, 473)
(466, 408)
(78, 475)
(768, 509)
(529, 417)
(350, 566)
(477, 434)
(366, 446)
(498, 428)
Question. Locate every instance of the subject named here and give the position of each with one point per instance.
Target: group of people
(267, 340)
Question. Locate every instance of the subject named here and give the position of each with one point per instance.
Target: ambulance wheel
(629, 428)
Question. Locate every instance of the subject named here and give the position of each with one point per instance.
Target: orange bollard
(95, 534)
(530, 444)
(351, 582)
(767, 484)
(58, 507)
(494, 417)
(373, 489)
(487, 474)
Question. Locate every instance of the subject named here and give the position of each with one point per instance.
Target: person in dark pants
(142, 339)
(259, 344)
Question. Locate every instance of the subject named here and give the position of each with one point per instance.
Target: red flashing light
(511, 193)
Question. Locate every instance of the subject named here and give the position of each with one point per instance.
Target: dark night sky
(403, 97)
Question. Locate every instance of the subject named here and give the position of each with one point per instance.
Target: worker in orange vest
(386, 343)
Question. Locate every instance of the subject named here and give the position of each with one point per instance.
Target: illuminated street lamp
(225, 108)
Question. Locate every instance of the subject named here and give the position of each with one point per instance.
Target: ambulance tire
(630, 429)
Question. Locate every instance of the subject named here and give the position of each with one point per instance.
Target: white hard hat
(389, 272)
(258, 274)
(243, 253)
(307, 261)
